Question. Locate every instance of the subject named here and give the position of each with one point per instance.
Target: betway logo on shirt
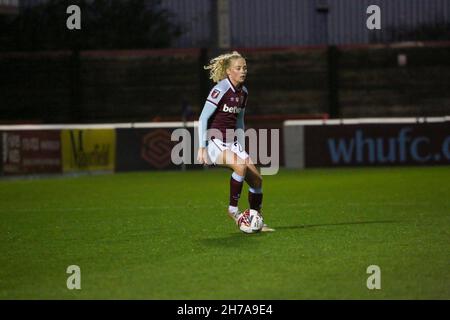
(231, 109)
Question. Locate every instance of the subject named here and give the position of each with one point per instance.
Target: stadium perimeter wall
(367, 142)
(47, 149)
(53, 149)
(44, 149)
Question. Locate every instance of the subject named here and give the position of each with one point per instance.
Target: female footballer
(222, 114)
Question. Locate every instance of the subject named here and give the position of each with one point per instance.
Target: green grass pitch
(166, 235)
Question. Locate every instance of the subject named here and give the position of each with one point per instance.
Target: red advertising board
(28, 152)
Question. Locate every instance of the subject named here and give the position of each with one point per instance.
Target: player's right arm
(208, 110)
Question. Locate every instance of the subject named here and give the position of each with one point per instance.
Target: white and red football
(250, 221)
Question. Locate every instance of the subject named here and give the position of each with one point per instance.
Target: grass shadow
(234, 240)
(304, 226)
(239, 239)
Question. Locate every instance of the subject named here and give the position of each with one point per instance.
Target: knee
(241, 170)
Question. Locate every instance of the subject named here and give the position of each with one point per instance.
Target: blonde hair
(218, 66)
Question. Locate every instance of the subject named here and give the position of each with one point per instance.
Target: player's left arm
(240, 127)
(240, 134)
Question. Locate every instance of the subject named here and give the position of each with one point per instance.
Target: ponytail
(218, 66)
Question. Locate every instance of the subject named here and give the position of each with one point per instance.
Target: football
(251, 221)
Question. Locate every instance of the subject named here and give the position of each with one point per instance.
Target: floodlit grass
(166, 235)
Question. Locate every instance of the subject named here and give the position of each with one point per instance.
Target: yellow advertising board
(88, 150)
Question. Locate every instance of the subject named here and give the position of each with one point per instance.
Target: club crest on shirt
(215, 93)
